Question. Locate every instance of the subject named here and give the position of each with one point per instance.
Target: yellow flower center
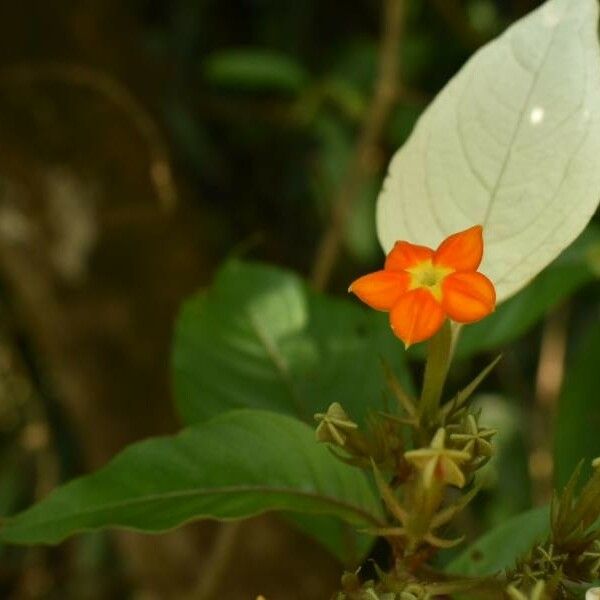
(429, 276)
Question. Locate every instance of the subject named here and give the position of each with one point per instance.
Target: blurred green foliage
(577, 436)
(260, 338)
(497, 549)
(266, 99)
(262, 102)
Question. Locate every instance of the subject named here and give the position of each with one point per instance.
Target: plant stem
(436, 369)
(377, 114)
(215, 570)
(550, 373)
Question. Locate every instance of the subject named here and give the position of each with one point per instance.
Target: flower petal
(405, 255)
(416, 316)
(461, 251)
(449, 472)
(468, 297)
(382, 289)
(429, 472)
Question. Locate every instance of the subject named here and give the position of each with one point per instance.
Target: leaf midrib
(519, 125)
(278, 360)
(236, 489)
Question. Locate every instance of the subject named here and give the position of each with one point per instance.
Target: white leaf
(512, 143)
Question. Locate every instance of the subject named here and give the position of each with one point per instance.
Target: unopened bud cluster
(424, 471)
(421, 465)
(571, 554)
(423, 457)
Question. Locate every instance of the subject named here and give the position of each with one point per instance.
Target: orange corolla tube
(421, 287)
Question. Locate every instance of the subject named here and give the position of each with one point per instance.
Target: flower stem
(439, 354)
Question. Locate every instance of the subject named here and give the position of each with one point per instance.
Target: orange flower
(420, 287)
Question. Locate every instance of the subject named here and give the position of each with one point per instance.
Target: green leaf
(511, 143)
(500, 548)
(255, 69)
(259, 338)
(236, 465)
(577, 434)
(577, 266)
(505, 480)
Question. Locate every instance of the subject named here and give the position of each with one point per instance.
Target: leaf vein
(515, 133)
(279, 362)
(182, 494)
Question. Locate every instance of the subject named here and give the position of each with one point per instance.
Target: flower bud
(334, 425)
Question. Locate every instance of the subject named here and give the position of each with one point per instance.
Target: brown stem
(547, 389)
(216, 566)
(382, 102)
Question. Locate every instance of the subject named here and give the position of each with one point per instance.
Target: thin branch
(87, 77)
(218, 561)
(549, 378)
(378, 112)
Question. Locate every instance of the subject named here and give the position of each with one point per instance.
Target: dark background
(141, 143)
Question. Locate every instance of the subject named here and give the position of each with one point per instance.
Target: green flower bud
(333, 425)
